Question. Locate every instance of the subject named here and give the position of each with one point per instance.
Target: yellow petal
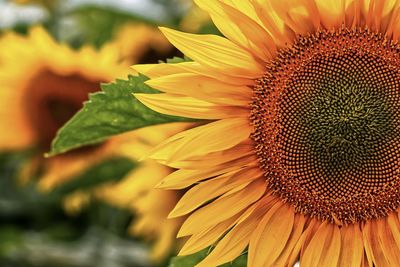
(261, 207)
(273, 23)
(213, 138)
(203, 88)
(231, 246)
(387, 237)
(184, 178)
(215, 187)
(41, 38)
(393, 29)
(18, 123)
(352, 249)
(271, 235)
(394, 225)
(236, 240)
(332, 12)
(285, 258)
(184, 106)
(207, 237)
(239, 155)
(373, 246)
(167, 149)
(245, 7)
(240, 28)
(202, 70)
(307, 236)
(303, 241)
(217, 53)
(381, 15)
(324, 247)
(161, 69)
(302, 17)
(217, 211)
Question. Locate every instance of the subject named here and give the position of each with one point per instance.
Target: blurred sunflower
(300, 156)
(141, 43)
(136, 191)
(194, 18)
(44, 90)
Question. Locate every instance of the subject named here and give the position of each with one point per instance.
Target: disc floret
(325, 119)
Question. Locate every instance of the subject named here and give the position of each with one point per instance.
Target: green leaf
(241, 261)
(192, 260)
(109, 112)
(109, 170)
(176, 60)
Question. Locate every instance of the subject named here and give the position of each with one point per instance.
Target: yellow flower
(194, 18)
(298, 155)
(43, 84)
(136, 191)
(141, 43)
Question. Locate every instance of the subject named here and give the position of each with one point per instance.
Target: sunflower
(43, 89)
(297, 158)
(136, 190)
(141, 43)
(194, 19)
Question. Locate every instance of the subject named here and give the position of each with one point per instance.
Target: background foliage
(35, 230)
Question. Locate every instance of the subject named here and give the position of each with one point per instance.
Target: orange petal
(162, 69)
(240, 155)
(373, 246)
(285, 258)
(271, 235)
(215, 187)
(273, 23)
(300, 16)
(303, 241)
(203, 88)
(324, 247)
(217, 53)
(352, 249)
(207, 237)
(332, 12)
(223, 208)
(388, 237)
(213, 138)
(240, 28)
(184, 106)
(236, 240)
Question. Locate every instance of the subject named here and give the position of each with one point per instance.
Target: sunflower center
(326, 118)
(53, 99)
(345, 119)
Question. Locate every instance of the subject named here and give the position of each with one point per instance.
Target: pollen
(326, 118)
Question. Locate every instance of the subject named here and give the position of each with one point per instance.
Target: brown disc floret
(326, 119)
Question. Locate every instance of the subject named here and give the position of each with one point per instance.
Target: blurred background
(87, 208)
